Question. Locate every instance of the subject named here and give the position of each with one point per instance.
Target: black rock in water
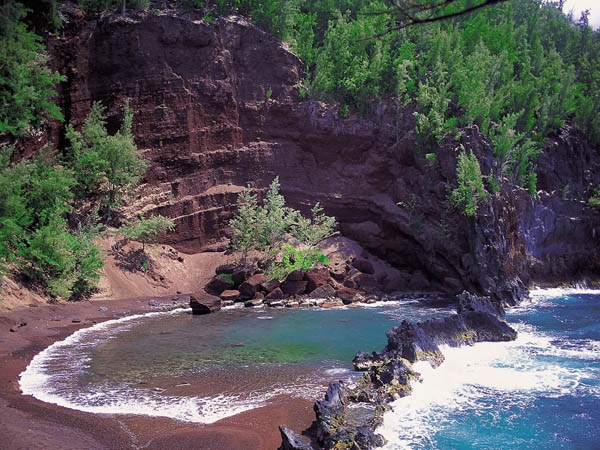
(411, 342)
(348, 416)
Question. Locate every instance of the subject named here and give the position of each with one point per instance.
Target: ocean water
(205, 368)
(540, 392)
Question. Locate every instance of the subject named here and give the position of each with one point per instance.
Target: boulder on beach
(203, 303)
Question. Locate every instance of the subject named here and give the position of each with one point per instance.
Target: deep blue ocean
(540, 392)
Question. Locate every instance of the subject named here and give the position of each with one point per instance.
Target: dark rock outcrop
(411, 342)
(348, 416)
(291, 441)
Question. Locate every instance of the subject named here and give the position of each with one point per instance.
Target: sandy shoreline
(26, 423)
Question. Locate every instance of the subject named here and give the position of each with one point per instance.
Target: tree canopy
(105, 165)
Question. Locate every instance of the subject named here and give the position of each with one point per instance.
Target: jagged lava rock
(411, 342)
(291, 441)
(345, 426)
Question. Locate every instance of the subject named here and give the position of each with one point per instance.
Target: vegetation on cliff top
(26, 83)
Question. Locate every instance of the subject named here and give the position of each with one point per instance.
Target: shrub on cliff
(470, 191)
(146, 230)
(275, 230)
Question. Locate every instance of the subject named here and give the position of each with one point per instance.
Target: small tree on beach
(274, 230)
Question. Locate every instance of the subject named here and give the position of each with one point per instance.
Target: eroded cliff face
(217, 107)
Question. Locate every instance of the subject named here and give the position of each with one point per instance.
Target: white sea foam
(339, 371)
(471, 373)
(559, 292)
(109, 398)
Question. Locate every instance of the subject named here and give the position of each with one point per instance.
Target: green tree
(277, 220)
(312, 231)
(274, 229)
(433, 99)
(147, 230)
(594, 200)
(26, 82)
(349, 66)
(246, 225)
(66, 263)
(105, 165)
(15, 216)
(470, 191)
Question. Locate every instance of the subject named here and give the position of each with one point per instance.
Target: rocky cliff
(217, 107)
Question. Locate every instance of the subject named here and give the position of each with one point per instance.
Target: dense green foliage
(285, 238)
(292, 259)
(35, 235)
(146, 230)
(105, 165)
(26, 83)
(594, 200)
(43, 235)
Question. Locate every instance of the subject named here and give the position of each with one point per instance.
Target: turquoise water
(203, 368)
(540, 392)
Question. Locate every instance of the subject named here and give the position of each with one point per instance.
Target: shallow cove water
(204, 368)
(541, 391)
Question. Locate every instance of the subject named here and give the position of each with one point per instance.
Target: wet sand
(26, 423)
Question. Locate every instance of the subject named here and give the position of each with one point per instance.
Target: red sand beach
(26, 423)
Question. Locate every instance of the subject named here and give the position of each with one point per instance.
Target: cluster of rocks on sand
(354, 281)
